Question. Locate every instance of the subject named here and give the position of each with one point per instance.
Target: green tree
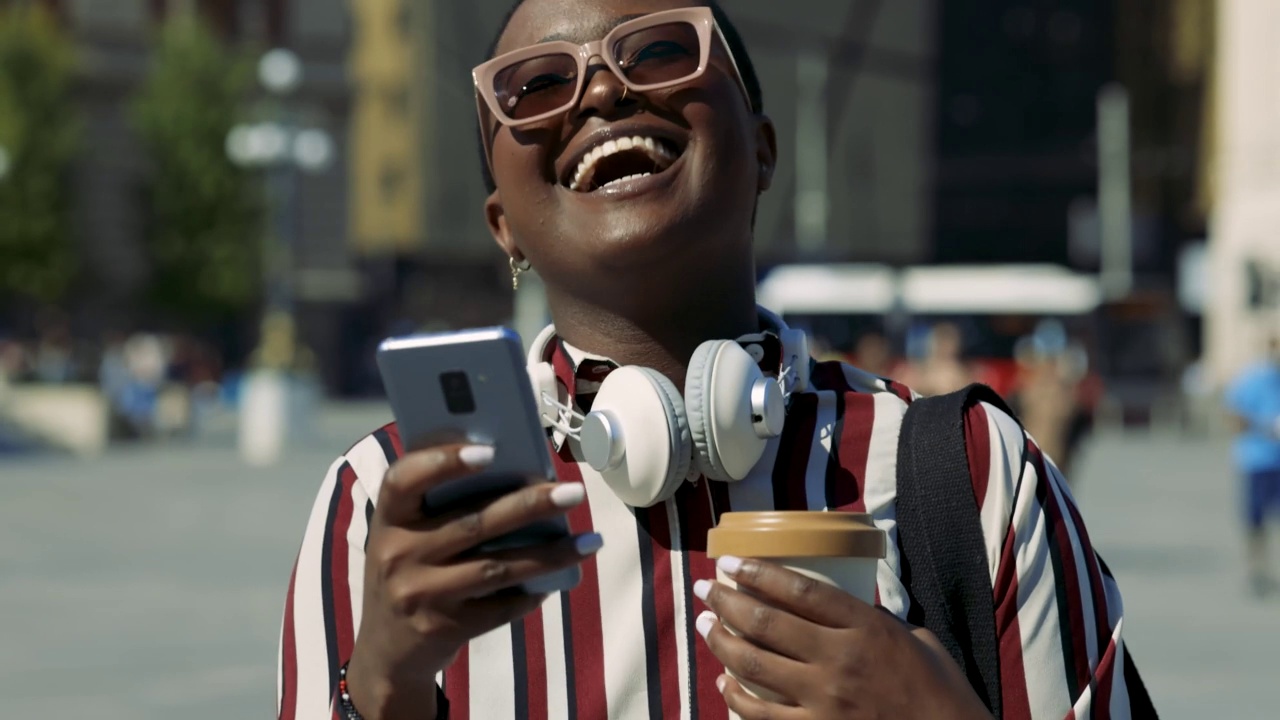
(38, 133)
(205, 232)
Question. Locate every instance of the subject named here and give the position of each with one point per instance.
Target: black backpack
(944, 557)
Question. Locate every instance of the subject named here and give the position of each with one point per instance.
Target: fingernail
(729, 564)
(701, 589)
(567, 495)
(476, 456)
(721, 682)
(705, 622)
(588, 544)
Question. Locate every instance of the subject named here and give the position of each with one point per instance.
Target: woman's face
(697, 209)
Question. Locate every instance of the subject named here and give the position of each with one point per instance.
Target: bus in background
(1028, 331)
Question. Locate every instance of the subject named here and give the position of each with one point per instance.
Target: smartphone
(472, 386)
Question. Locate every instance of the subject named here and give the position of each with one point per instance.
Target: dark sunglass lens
(658, 54)
(538, 85)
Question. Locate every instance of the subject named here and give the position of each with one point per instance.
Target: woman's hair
(736, 46)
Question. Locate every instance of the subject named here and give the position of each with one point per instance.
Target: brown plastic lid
(796, 534)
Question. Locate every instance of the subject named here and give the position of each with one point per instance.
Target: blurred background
(211, 211)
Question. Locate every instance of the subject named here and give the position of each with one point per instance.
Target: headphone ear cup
(697, 401)
(646, 414)
(679, 431)
(719, 399)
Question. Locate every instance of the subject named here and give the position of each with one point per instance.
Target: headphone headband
(772, 321)
(538, 350)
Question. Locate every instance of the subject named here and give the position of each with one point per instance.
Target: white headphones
(645, 439)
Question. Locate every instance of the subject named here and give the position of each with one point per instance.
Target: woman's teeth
(661, 156)
(637, 176)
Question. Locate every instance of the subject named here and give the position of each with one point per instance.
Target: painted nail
(729, 564)
(701, 589)
(567, 495)
(705, 622)
(476, 456)
(588, 544)
(721, 682)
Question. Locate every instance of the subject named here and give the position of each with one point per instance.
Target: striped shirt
(622, 645)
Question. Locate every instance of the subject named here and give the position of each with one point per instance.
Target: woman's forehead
(577, 21)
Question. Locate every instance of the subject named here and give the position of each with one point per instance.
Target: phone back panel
(421, 377)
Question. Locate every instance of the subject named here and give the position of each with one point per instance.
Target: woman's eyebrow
(596, 33)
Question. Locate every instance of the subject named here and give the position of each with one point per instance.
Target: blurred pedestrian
(54, 356)
(874, 354)
(14, 362)
(114, 379)
(1253, 400)
(134, 373)
(1046, 400)
(942, 369)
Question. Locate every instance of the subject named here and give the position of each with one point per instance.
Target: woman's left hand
(832, 655)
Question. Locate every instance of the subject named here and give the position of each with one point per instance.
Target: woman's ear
(766, 150)
(496, 217)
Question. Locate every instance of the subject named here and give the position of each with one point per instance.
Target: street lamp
(280, 71)
(281, 145)
(271, 144)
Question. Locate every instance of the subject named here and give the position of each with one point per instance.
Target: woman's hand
(831, 655)
(426, 596)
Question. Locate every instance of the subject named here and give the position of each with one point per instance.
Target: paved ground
(148, 584)
(1163, 513)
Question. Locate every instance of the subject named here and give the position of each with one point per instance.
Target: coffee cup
(837, 548)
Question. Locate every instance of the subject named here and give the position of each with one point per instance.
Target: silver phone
(472, 386)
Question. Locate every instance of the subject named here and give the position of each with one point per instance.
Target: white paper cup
(840, 549)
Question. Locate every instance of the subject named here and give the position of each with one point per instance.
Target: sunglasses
(657, 51)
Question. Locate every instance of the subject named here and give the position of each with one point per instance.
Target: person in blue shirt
(1254, 402)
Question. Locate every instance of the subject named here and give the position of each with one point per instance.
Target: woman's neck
(659, 331)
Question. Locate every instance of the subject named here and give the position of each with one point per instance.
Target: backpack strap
(944, 554)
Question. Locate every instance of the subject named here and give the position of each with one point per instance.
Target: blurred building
(1017, 83)
(1244, 243)
(851, 86)
(113, 41)
(1017, 122)
(1018, 157)
(416, 196)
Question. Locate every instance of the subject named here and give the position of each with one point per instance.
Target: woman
(633, 194)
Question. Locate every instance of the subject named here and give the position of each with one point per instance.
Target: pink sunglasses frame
(701, 18)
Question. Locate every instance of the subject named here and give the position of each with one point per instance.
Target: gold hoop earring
(625, 90)
(517, 269)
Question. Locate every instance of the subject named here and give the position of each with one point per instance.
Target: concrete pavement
(1163, 512)
(149, 583)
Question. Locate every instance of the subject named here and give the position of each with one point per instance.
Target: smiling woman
(567, 78)
(625, 146)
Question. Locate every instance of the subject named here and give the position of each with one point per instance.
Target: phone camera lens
(457, 393)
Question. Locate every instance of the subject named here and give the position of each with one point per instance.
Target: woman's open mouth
(616, 162)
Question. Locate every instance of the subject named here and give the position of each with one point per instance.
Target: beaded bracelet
(344, 698)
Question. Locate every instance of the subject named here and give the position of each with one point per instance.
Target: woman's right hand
(426, 596)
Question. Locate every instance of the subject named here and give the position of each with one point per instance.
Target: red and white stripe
(622, 644)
